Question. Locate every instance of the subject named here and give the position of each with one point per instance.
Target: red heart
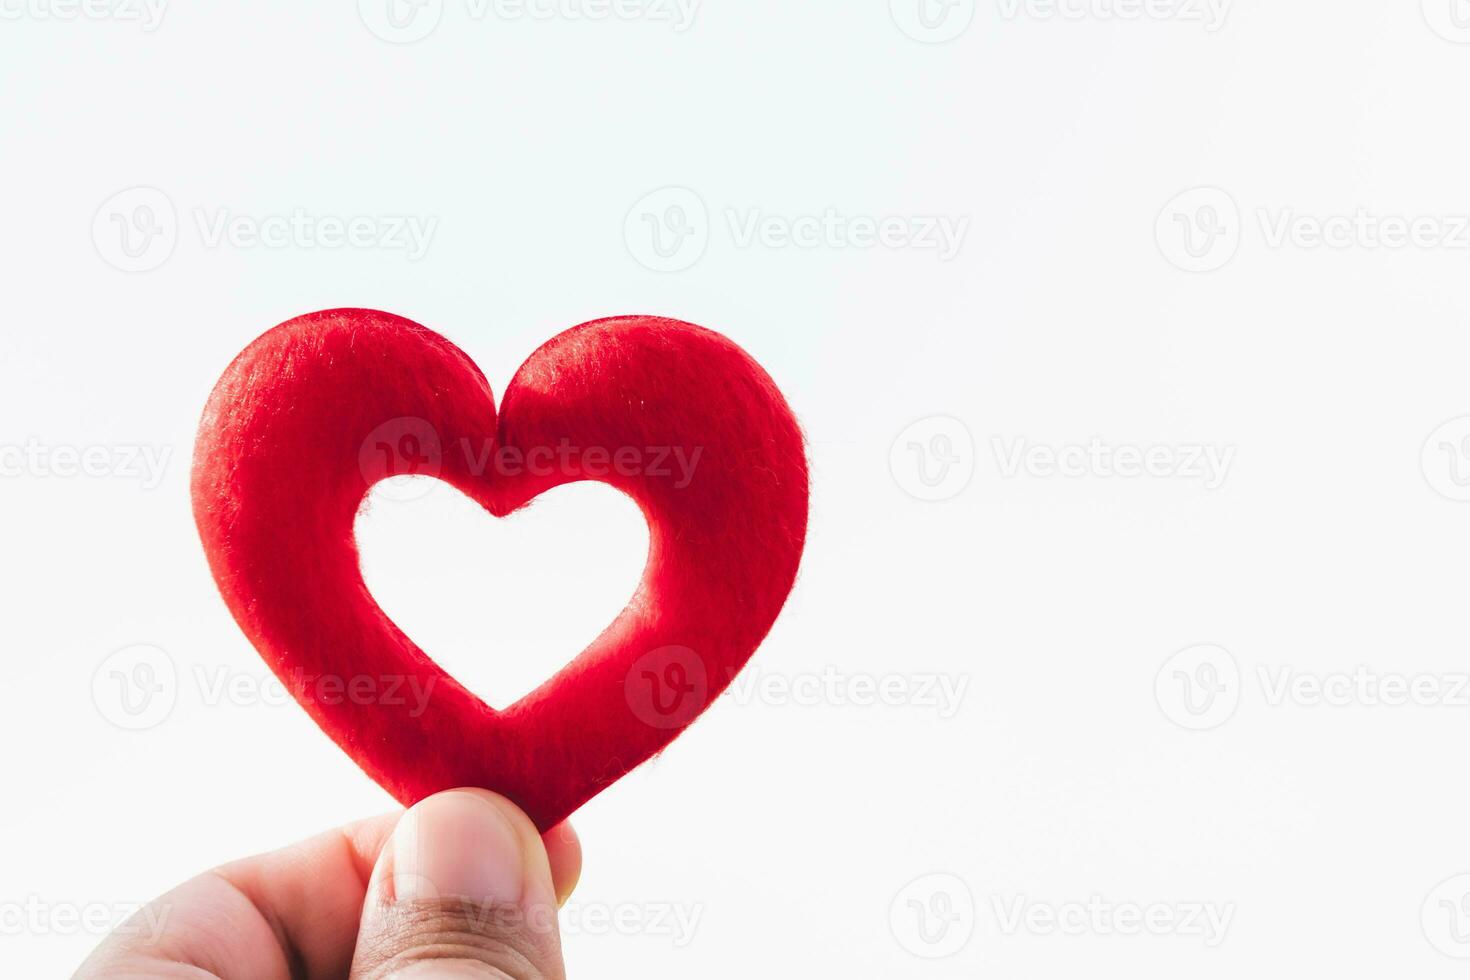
(319, 408)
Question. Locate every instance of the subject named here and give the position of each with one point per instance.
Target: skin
(326, 908)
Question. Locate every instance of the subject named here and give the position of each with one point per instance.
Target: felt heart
(320, 408)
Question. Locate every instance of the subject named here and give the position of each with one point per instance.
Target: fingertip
(564, 852)
(562, 849)
(562, 846)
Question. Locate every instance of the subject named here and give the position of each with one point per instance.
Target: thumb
(463, 889)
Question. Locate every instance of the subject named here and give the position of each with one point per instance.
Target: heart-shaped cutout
(430, 556)
(322, 407)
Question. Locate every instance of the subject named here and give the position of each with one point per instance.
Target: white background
(819, 838)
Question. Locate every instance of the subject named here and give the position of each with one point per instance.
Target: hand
(459, 886)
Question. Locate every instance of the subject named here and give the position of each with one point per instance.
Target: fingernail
(457, 845)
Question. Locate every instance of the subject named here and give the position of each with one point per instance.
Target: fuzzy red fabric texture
(318, 409)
